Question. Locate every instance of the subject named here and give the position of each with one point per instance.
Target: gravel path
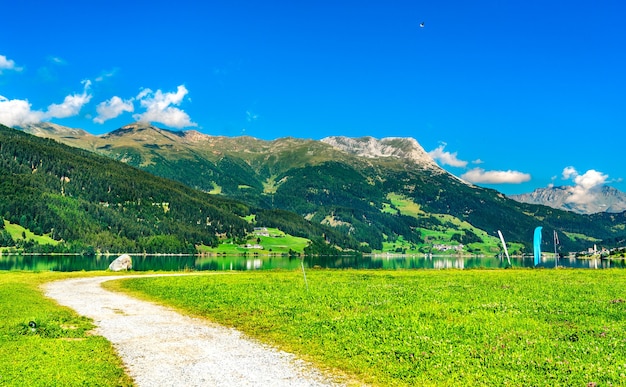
(161, 347)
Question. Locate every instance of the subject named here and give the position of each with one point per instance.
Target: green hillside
(74, 200)
(352, 192)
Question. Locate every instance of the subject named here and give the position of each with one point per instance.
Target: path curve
(160, 347)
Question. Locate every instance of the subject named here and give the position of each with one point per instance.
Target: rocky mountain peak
(575, 199)
(370, 147)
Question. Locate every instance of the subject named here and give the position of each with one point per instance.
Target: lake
(241, 263)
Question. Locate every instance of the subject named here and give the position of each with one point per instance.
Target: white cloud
(446, 158)
(113, 108)
(591, 179)
(586, 186)
(17, 112)
(71, 104)
(159, 109)
(159, 106)
(569, 172)
(479, 175)
(8, 64)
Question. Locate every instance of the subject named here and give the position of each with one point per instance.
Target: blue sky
(511, 95)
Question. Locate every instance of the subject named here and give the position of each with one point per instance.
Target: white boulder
(123, 262)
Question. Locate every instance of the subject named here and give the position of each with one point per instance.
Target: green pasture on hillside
(273, 241)
(436, 328)
(490, 244)
(405, 205)
(60, 351)
(18, 232)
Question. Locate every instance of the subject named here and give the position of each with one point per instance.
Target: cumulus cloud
(113, 108)
(18, 112)
(479, 175)
(591, 179)
(159, 108)
(71, 105)
(586, 186)
(8, 64)
(569, 172)
(446, 158)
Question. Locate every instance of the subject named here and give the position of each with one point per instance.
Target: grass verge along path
(483, 327)
(162, 347)
(58, 351)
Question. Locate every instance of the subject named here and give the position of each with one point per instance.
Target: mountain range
(598, 199)
(377, 191)
(86, 202)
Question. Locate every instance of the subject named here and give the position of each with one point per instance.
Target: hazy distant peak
(145, 131)
(46, 129)
(370, 147)
(570, 198)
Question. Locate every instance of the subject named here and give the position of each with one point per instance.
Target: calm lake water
(241, 263)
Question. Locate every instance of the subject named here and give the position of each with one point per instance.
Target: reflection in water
(242, 263)
(54, 262)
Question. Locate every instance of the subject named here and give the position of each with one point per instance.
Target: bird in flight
(422, 25)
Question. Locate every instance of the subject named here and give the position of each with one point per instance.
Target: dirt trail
(161, 347)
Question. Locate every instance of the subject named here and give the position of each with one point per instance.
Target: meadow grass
(405, 205)
(283, 243)
(60, 351)
(441, 328)
(276, 243)
(18, 232)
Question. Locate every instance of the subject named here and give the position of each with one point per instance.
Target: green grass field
(435, 328)
(276, 243)
(60, 351)
(422, 327)
(18, 232)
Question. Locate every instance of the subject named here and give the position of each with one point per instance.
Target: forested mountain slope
(93, 202)
(351, 185)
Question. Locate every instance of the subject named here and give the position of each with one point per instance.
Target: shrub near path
(483, 327)
(58, 351)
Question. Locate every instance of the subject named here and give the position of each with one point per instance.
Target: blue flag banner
(537, 245)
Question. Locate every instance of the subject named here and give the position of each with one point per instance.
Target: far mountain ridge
(380, 191)
(394, 147)
(147, 146)
(569, 198)
(44, 129)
